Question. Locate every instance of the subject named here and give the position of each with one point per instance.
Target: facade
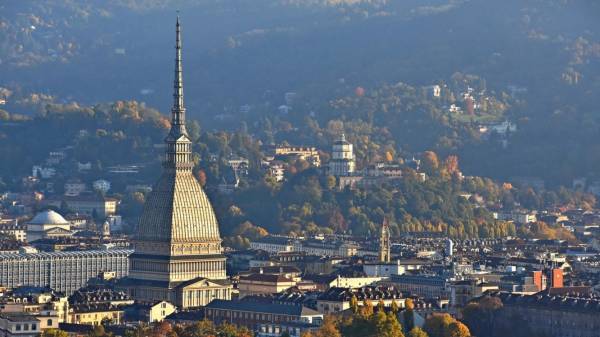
(337, 299)
(383, 269)
(326, 248)
(293, 329)
(19, 325)
(253, 314)
(178, 256)
(149, 312)
(61, 271)
(273, 244)
(257, 284)
(552, 316)
(41, 304)
(14, 230)
(310, 154)
(425, 286)
(461, 292)
(74, 187)
(47, 224)
(95, 314)
(92, 205)
(342, 161)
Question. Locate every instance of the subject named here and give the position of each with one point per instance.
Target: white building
(43, 172)
(74, 187)
(101, 185)
(47, 224)
(342, 161)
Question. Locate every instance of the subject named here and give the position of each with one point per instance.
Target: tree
(436, 324)
(201, 177)
(457, 329)
(392, 327)
(430, 162)
(54, 333)
(328, 329)
(381, 306)
(366, 310)
(354, 304)
(417, 332)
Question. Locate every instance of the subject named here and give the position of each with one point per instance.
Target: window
(49, 322)
(26, 327)
(18, 327)
(33, 326)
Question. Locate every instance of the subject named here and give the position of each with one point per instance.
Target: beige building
(178, 255)
(48, 224)
(337, 299)
(89, 204)
(261, 284)
(14, 230)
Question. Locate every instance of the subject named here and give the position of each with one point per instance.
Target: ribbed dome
(177, 211)
(48, 217)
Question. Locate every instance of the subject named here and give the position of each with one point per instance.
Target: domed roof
(48, 217)
(178, 210)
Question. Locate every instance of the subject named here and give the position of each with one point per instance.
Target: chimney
(557, 278)
(537, 279)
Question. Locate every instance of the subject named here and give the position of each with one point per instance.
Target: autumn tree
(457, 329)
(430, 162)
(328, 329)
(54, 333)
(417, 332)
(437, 324)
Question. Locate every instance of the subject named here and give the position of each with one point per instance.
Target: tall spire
(384, 242)
(178, 111)
(179, 146)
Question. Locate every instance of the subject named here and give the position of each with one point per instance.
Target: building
(101, 185)
(326, 247)
(310, 154)
(48, 224)
(252, 314)
(74, 187)
(259, 283)
(42, 303)
(385, 251)
(177, 248)
(342, 161)
(425, 286)
(550, 315)
(89, 204)
(380, 269)
(273, 244)
(461, 292)
(149, 312)
(293, 329)
(337, 299)
(61, 271)
(95, 314)
(19, 325)
(14, 230)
